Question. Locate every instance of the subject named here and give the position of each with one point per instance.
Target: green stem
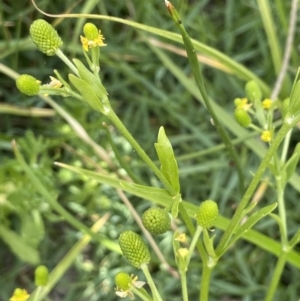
(140, 294)
(253, 184)
(276, 276)
(155, 293)
(184, 286)
(194, 63)
(193, 244)
(186, 219)
(120, 126)
(205, 281)
(61, 55)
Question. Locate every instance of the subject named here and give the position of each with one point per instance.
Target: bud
(207, 214)
(242, 117)
(28, 85)
(41, 275)
(91, 31)
(156, 220)
(45, 37)
(134, 248)
(123, 281)
(253, 91)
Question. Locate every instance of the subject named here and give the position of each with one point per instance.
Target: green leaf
(209, 243)
(32, 228)
(295, 240)
(252, 220)
(92, 80)
(290, 166)
(87, 93)
(294, 106)
(19, 246)
(167, 159)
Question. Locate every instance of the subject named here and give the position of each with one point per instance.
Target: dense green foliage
(150, 85)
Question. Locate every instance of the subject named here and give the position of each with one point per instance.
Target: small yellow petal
(267, 103)
(266, 136)
(19, 295)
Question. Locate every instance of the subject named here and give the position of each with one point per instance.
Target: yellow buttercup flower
(267, 103)
(19, 295)
(93, 37)
(242, 103)
(266, 136)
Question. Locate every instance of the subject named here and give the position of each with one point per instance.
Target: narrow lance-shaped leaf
(290, 166)
(252, 220)
(167, 159)
(87, 93)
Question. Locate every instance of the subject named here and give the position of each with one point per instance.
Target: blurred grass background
(146, 96)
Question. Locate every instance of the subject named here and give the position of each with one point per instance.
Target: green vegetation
(163, 106)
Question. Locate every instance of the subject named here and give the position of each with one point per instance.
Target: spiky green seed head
(156, 220)
(207, 214)
(45, 37)
(242, 117)
(41, 275)
(28, 85)
(123, 281)
(90, 31)
(253, 91)
(134, 249)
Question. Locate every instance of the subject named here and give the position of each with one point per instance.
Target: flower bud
(207, 214)
(242, 117)
(28, 85)
(91, 31)
(156, 220)
(123, 281)
(134, 248)
(253, 91)
(41, 274)
(45, 37)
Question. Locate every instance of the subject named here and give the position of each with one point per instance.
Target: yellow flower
(266, 136)
(87, 43)
(242, 103)
(55, 83)
(124, 284)
(19, 295)
(267, 103)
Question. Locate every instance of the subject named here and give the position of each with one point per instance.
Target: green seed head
(28, 85)
(45, 37)
(207, 214)
(242, 117)
(41, 275)
(134, 248)
(90, 31)
(123, 281)
(156, 220)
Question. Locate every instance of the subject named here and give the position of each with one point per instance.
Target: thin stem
(140, 294)
(120, 126)
(184, 286)
(276, 276)
(286, 143)
(287, 50)
(148, 276)
(193, 60)
(193, 243)
(61, 55)
(252, 186)
(205, 281)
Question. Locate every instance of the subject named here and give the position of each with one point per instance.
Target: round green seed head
(41, 275)
(45, 37)
(28, 85)
(156, 220)
(90, 31)
(123, 281)
(134, 249)
(207, 214)
(242, 117)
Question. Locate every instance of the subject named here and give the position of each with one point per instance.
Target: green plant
(87, 86)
